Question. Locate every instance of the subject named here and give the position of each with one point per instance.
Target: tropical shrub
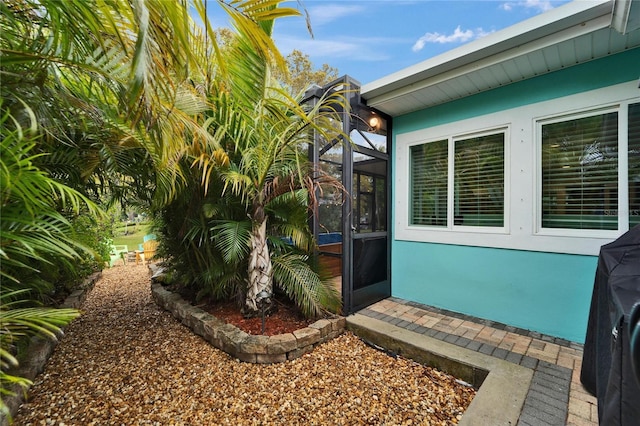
(131, 102)
(249, 186)
(89, 110)
(32, 233)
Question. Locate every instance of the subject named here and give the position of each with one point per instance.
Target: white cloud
(361, 49)
(458, 36)
(541, 5)
(321, 15)
(536, 5)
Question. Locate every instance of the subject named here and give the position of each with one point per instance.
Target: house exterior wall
(519, 274)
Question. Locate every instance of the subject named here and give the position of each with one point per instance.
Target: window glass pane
(580, 173)
(634, 165)
(331, 151)
(369, 140)
(428, 174)
(367, 201)
(479, 181)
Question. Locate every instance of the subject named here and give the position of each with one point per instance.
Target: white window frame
(451, 141)
(622, 180)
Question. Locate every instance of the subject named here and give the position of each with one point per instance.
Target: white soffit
(568, 35)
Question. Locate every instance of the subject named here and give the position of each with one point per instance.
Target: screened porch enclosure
(351, 225)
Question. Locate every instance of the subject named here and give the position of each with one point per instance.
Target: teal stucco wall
(546, 292)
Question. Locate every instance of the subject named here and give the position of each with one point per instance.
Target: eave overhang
(575, 33)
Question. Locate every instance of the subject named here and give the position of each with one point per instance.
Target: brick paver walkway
(555, 397)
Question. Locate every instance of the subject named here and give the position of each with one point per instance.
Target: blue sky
(369, 39)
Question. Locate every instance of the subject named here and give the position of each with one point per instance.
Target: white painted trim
(623, 168)
(620, 15)
(521, 175)
(622, 185)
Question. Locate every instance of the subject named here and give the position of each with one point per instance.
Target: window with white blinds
(580, 173)
(428, 191)
(479, 181)
(561, 175)
(634, 165)
(477, 187)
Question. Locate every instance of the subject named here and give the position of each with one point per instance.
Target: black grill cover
(606, 363)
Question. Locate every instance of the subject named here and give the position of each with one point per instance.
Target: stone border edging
(503, 390)
(246, 347)
(40, 349)
(547, 400)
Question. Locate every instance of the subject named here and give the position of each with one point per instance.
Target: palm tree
(109, 84)
(261, 128)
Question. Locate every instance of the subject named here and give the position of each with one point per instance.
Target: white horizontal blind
(479, 181)
(634, 165)
(428, 191)
(580, 173)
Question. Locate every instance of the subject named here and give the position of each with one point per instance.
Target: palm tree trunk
(260, 271)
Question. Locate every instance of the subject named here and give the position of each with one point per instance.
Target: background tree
(300, 73)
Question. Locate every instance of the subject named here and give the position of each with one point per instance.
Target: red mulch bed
(285, 320)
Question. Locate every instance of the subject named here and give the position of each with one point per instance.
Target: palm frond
(232, 239)
(297, 279)
(33, 231)
(17, 323)
(21, 322)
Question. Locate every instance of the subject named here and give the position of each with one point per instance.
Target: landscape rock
(128, 361)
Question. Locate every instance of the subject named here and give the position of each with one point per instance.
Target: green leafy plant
(249, 184)
(32, 232)
(19, 322)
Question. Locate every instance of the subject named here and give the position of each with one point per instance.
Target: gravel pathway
(125, 361)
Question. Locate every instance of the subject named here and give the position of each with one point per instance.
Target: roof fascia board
(567, 34)
(621, 13)
(547, 24)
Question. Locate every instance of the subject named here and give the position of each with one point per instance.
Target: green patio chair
(116, 253)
